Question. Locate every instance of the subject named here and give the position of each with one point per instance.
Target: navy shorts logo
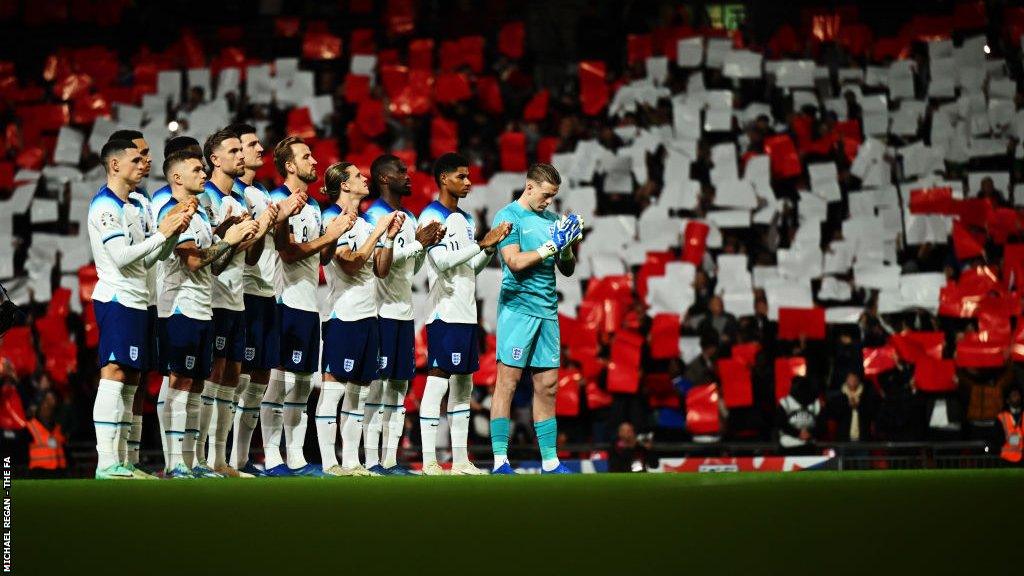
(296, 356)
(456, 358)
(133, 352)
(250, 353)
(190, 362)
(383, 362)
(221, 341)
(517, 353)
(349, 364)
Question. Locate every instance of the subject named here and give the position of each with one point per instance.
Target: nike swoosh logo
(452, 235)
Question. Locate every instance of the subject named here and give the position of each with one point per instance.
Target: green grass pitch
(901, 522)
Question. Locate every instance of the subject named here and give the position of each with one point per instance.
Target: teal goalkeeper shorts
(526, 341)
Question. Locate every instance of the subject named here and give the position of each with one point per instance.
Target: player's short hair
(241, 128)
(182, 143)
(448, 162)
(214, 142)
(177, 157)
(113, 148)
(541, 173)
(126, 134)
(284, 154)
(381, 163)
(334, 177)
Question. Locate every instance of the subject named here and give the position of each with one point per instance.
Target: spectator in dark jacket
(628, 454)
(798, 416)
(900, 415)
(853, 408)
(717, 320)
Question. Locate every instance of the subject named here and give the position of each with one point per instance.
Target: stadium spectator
(901, 411)
(629, 454)
(46, 450)
(982, 390)
(852, 408)
(1010, 431)
(798, 416)
(719, 322)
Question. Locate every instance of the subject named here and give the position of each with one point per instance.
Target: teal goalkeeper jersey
(531, 291)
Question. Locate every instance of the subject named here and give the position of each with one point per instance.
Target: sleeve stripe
(441, 245)
(112, 236)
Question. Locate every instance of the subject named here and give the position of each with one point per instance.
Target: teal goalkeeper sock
(499, 438)
(547, 438)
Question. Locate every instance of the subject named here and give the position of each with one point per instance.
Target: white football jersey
(185, 291)
(263, 279)
(394, 291)
(301, 278)
(352, 297)
(110, 218)
(149, 225)
(452, 295)
(227, 286)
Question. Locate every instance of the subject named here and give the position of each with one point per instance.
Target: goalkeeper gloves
(567, 231)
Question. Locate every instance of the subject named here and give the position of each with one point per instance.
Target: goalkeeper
(528, 335)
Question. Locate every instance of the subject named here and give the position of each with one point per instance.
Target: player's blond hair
(541, 173)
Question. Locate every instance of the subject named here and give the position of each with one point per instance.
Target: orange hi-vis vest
(1012, 449)
(47, 448)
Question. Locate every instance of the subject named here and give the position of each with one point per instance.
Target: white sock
(296, 394)
(106, 417)
(246, 417)
(124, 428)
(135, 439)
(327, 422)
(373, 413)
(174, 411)
(458, 416)
(352, 429)
(161, 399)
(393, 419)
(188, 444)
(243, 383)
(207, 415)
(430, 416)
(224, 419)
(272, 415)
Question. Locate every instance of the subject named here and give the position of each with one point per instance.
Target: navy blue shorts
(153, 363)
(452, 347)
(123, 335)
(397, 349)
(187, 346)
(229, 334)
(300, 340)
(262, 333)
(350, 349)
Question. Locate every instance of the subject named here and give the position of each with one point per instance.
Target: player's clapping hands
(430, 234)
(291, 205)
(396, 224)
(339, 225)
(495, 235)
(269, 216)
(241, 231)
(174, 224)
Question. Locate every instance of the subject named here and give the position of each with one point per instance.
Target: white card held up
(922, 289)
(739, 304)
(602, 265)
(843, 314)
(879, 277)
(838, 257)
(795, 74)
(742, 64)
(68, 149)
(717, 49)
(228, 80)
(835, 290)
(665, 296)
(792, 294)
(657, 69)
(800, 262)
(765, 276)
(690, 52)
(735, 194)
(730, 218)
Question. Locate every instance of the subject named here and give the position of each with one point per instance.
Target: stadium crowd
(637, 128)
